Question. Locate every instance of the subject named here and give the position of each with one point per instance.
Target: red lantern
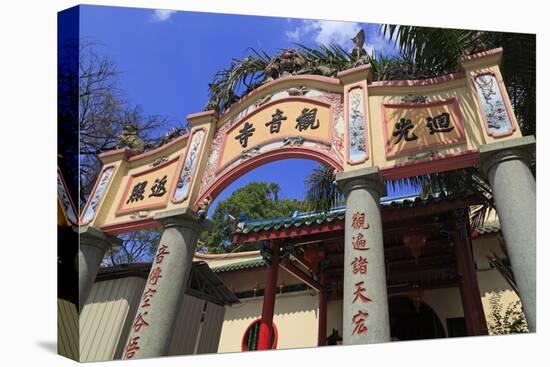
(415, 242)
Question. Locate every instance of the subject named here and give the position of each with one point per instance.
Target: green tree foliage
(505, 320)
(253, 201)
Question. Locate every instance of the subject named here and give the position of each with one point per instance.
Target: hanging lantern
(415, 242)
(416, 294)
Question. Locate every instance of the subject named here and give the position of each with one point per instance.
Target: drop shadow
(48, 345)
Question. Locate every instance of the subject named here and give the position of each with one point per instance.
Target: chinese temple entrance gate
(368, 130)
(426, 247)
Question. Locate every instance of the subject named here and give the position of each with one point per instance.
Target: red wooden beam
(299, 258)
(324, 239)
(299, 274)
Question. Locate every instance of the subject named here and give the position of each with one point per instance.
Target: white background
(28, 183)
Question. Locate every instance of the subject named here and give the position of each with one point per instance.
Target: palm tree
(243, 76)
(322, 192)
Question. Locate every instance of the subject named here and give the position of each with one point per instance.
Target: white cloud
(340, 33)
(161, 15)
(293, 35)
(325, 32)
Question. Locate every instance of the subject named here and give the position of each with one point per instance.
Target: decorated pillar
(506, 165)
(153, 325)
(271, 257)
(474, 316)
(366, 318)
(91, 250)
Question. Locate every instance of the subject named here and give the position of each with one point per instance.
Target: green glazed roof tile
(308, 218)
(245, 264)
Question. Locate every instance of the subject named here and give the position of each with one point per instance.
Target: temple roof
(308, 218)
(240, 265)
(253, 259)
(332, 226)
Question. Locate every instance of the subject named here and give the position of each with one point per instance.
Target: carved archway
(294, 118)
(287, 153)
(348, 122)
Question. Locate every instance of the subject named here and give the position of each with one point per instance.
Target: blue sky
(167, 58)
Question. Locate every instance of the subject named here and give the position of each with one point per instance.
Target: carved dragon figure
(358, 52)
(129, 138)
(288, 62)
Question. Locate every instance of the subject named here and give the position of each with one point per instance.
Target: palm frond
(466, 181)
(409, 182)
(241, 74)
(332, 56)
(322, 193)
(435, 48)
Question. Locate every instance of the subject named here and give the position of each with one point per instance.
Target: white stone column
(153, 325)
(366, 318)
(92, 247)
(506, 165)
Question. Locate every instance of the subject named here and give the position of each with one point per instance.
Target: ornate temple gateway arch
(367, 130)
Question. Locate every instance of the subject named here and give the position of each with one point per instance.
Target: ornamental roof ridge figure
(129, 138)
(359, 51)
